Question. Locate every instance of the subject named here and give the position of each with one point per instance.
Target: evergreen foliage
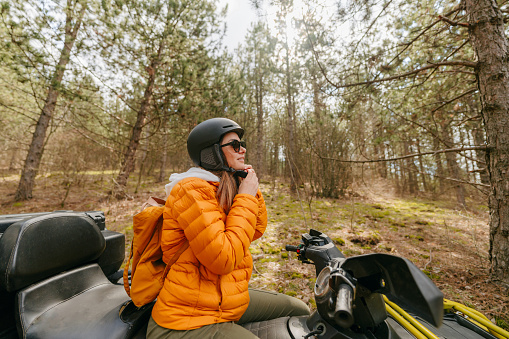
(331, 94)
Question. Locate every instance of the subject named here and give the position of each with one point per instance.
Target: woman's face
(235, 159)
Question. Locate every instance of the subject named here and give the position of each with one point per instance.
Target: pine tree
(258, 60)
(31, 25)
(487, 35)
(160, 49)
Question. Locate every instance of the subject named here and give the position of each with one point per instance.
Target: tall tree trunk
(36, 149)
(400, 186)
(128, 162)
(486, 31)
(440, 167)
(275, 159)
(143, 160)
(421, 168)
(12, 162)
(164, 156)
(291, 124)
(411, 169)
(381, 167)
(260, 147)
(478, 136)
(321, 174)
(452, 166)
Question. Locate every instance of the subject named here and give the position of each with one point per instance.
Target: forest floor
(450, 245)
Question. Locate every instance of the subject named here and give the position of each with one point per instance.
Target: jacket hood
(193, 172)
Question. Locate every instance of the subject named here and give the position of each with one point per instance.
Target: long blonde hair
(227, 190)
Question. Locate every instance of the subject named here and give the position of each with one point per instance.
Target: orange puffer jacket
(209, 282)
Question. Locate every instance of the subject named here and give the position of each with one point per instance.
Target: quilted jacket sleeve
(219, 246)
(261, 220)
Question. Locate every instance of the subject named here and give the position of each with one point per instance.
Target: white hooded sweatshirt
(193, 172)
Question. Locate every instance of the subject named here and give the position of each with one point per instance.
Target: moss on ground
(450, 244)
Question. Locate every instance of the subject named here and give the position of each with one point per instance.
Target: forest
(404, 97)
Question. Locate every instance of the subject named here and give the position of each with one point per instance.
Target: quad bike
(60, 278)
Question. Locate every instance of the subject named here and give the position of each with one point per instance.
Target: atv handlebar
(291, 248)
(316, 248)
(343, 313)
(337, 291)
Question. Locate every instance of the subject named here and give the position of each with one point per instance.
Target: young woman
(219, 213)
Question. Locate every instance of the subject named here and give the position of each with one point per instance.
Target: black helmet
(203, 142)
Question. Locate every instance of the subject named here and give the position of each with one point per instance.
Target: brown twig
(454, 99)
(451, 63)
(398, 76)
(453, 23)
(460, 149)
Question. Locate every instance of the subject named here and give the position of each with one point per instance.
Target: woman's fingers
(250, 184)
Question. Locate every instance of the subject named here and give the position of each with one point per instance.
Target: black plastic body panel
(7, 323)
(7, 220)
(301, 326)
(403, 283)
(453, 327)
(113, 256)
(37, 248)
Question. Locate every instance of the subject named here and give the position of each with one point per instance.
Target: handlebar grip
(291, 248)
(343, 313)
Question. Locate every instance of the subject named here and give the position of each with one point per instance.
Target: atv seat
(81, 303)
(50, 263)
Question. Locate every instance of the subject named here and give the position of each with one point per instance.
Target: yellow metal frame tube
(477, 317)
(403, 322)
(421, 332)
(408, 319)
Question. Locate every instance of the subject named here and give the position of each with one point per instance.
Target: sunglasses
(236, 145)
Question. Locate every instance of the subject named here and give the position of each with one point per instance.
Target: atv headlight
(322, 283)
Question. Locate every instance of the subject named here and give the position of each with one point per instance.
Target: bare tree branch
(369, 82)
(460, 149)
(422, 33)
(415, 71)
(19, 112)
(454, 99)
(457, 49)
(453, 23)
(371, 25)
(96, 141)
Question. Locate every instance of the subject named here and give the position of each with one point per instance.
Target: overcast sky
(239, 18)
(241, 15)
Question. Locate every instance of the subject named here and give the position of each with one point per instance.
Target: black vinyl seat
(274, 328)
(50, 264)
(81, 303)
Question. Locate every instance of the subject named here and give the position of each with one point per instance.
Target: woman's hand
(249, 184)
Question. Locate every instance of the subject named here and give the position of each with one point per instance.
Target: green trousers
(263, 305)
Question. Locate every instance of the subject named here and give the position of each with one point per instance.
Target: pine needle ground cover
(449, 244)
